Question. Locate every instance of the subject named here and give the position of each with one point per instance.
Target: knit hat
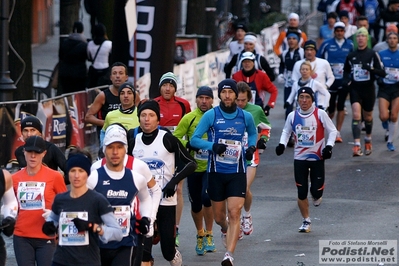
(77, 27)
(152, 105)
(228, 84)
(362, 31)
(250, 38)
(168, 77)
(343, 13)
(339, 25)
(126, 85)
(310, 44)
(204, 90)
(241, 26)
(307, 90)
(293, 16)
(293, 34)
(78, 160)
(391, 28)
(31, 121)
(36, 144)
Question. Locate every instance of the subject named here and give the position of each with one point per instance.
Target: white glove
(150, 231)
(280, 78)
(46, 213)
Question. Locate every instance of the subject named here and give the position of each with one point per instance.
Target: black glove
(219, 148)
(327, 152)
(286, 105)
(267, 110)
(366, 67)
(82, 225)
(49, 228)
(8, 225)
(169, 190)
(143, 225)
(249, 153)
(320, 107)
(261, 144)
(280, 149)
(191, 148)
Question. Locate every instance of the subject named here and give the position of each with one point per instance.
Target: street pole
(7, 86)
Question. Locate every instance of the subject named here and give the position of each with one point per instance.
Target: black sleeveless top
(111, 103)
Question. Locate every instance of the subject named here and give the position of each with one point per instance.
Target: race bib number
(232, 153)
(392, 75)
(31, 195)
(338, 70)
(201, 155)
(245, 140)
(122, 215)
(68, 233)
(360, 74)
(306, 136)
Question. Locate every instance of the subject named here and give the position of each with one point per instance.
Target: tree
(20, 27)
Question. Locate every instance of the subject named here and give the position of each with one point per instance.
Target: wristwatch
(98, 229)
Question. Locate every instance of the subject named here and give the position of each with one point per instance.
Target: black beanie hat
(31, 121)
(204, 90)
(152, 105)
(229, 84)
(307, 90)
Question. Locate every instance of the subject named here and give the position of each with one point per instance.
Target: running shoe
(338, 139)
(209, 243)
(227, 260)
(317, 202)
(224, 240)
(200, 247)
(367, 148)
(363, 126)
(240, 234)
(305, 227)
(246, 225)
(390, 146)
(177, 242)
(357, 151)
(177, 260)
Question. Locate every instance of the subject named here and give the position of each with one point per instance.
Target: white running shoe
(224, 240)
(246, 225)
(317, 202)
(227, 260)
(305, 227)
(177, 260)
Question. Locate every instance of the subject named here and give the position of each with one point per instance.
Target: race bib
(68, 233)
(122, 215)
(338, 70)
(232, 153)
(253, 97)
(392, 75)
(201, 155)
(31, 195)
(360, 74)
(245, 140)
(306, 136)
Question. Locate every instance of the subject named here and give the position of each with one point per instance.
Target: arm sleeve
(279, 42)
(378, 66)
(229, 66)
(186, 164)
(131, 141)
(270, 88)
(204, 124)
(92, 180)
(329, 126)
(269, 71)
(321, 51)
(10, 204)
(143, 194)
(112, 230)
(287, 130)
(59, 158)
(329, 74)
(53, 218)
(156, 194)
(323, 91)
(181, 130)
(291, 97)
(19, 154)
(251, 129)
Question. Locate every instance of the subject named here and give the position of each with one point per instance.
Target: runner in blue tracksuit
(335, 51)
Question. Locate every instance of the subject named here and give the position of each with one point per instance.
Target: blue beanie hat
(78, 160)
(204, 90)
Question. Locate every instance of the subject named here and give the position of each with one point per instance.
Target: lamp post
(7, 86)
